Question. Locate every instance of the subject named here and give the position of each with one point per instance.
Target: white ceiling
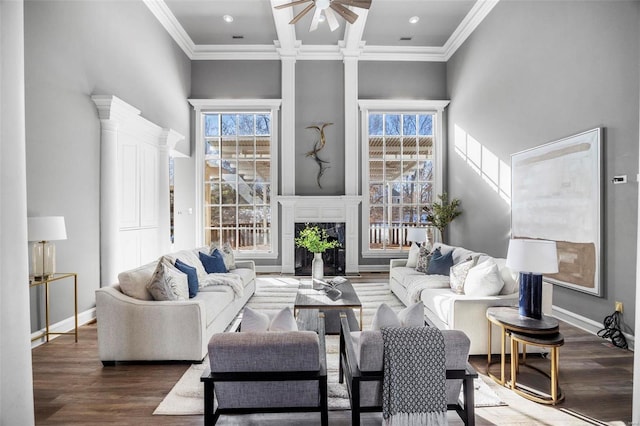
(198, 27)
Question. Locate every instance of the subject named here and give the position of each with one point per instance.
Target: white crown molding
(476, 15)
(315, 52)
(168, 20)
(287, 46)
(402, 105)
(405, 53)
(247, 52)
(234, 104)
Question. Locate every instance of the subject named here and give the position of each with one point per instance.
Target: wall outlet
(619, 307)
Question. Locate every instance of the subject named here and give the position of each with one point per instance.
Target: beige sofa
(133, 327)
(448, 310)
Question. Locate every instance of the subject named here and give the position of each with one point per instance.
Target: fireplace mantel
(339, 208)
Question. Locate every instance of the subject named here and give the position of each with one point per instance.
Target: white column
(288, 129)
(16, 383)
(351, 166)
(288, 236)
(109, 204)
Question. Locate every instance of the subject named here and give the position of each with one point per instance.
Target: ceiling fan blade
(301, 14)
(316, 19)
(347, 14)
(293, 3)
(363, 4)
(332, 20)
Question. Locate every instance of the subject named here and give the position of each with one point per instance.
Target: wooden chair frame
(211, 414)
(349, 368)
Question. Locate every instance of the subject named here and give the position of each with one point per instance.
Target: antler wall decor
(317, 146)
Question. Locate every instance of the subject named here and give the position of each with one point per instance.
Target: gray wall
(534, 72)
(235, 80)
(319, 99)
(402, 80)
(73, 50)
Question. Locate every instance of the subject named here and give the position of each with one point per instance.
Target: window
(401, 166)
(237, 179)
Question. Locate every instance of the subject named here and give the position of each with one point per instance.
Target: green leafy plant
(315, 240)
(441, 214)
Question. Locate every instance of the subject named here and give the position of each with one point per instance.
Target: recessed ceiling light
(414, 19)
(227, 18)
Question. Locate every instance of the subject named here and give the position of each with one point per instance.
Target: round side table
(542, 332)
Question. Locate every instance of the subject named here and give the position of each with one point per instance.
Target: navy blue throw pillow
(440, 264)
(192, 277)
(213, 263)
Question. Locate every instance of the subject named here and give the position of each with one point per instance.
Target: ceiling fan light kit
(330, 9)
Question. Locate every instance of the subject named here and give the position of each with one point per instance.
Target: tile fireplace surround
(299, 209)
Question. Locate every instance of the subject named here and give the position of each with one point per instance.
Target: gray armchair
(266, 372)
(361, 362)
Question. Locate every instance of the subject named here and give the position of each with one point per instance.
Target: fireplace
(334, 259)
(338, 209)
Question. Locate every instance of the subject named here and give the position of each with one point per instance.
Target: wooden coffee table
(310, 300)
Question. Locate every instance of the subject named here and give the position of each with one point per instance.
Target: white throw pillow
(254, 321)
(227, 254)
(283, 321)
(483, 280)
(168, 283)
(458, 274)
(411, 316)
(412, 258)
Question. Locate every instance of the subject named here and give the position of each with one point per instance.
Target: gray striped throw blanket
(414, 383)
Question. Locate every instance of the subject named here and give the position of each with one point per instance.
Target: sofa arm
(395, 263)
(248, 264)
(133, 330)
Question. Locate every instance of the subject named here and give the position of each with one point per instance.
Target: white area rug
(272, 294)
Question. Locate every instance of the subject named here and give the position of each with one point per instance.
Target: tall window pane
(237, 173)
(400, 167)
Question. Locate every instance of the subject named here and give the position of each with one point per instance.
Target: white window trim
(237, 105)
(370, 106)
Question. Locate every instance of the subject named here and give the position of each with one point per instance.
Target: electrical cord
(612, 330)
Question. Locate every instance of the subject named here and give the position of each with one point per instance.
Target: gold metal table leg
(75, 303)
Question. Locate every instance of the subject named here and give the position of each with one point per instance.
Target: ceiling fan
(330, 8)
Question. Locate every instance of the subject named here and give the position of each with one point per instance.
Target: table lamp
(417, 235)
(532, 258)
(43, 230)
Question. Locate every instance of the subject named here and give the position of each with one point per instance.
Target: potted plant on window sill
(316, 240)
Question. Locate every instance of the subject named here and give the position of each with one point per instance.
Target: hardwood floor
(71, 387)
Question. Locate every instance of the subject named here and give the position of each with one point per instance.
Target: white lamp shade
(46, 228)
(417, 235)
(535, 256)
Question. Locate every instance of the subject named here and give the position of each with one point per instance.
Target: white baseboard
(274, 269)
(373, 268)
(64, 326)
(585, 324)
